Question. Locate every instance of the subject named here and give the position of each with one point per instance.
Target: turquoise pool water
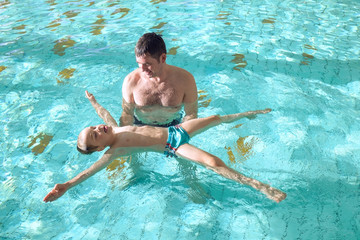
(300, 58)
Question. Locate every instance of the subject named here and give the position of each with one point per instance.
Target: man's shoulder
(132, 77)
(178, 69)
(130, 82)
(181, 73)
(134, 74)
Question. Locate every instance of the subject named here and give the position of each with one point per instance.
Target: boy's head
(94, 138)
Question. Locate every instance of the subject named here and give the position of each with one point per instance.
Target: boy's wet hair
(88, 150)
(150, 43)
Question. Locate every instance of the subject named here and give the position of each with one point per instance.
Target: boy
(172, 141)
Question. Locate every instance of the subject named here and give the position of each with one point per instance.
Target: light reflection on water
(301, 59)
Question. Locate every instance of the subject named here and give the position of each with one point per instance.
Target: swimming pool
(299, 58)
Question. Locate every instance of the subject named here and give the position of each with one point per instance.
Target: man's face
(150, 66)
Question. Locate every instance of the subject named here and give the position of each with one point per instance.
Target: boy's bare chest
(145, 136)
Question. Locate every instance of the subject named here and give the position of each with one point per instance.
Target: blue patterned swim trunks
(177, 137)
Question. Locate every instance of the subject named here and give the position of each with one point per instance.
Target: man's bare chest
(164, 95)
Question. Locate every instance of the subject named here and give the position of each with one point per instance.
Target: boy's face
(95, 136)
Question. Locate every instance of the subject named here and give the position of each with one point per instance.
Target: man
(155, 93)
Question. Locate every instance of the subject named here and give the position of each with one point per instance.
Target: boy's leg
(214, 163)
(249, 114)
(195, 126)
(198, 125)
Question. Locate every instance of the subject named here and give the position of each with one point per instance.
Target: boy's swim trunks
(177, 137)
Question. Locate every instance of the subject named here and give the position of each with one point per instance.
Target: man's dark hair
(150, 43)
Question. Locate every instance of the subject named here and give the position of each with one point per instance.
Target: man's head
(94, 138)
(150, 44)
(150, 54)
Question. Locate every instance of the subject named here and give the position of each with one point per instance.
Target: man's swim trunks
(177, 137)
(173, 123)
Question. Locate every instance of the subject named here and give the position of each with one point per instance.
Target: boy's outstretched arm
(101, 111)
(61, 188)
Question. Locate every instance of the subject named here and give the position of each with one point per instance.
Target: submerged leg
(214, 163)
(196, 126)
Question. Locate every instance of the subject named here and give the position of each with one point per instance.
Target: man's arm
(127, 115)
(101, 111)
(190, 99)
(128, 104)
(61, 188)
(191, 110)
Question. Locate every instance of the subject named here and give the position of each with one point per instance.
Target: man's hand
(90, 97)
(57, 192)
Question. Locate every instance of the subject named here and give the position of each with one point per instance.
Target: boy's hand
(90, 96)
(57, 192)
